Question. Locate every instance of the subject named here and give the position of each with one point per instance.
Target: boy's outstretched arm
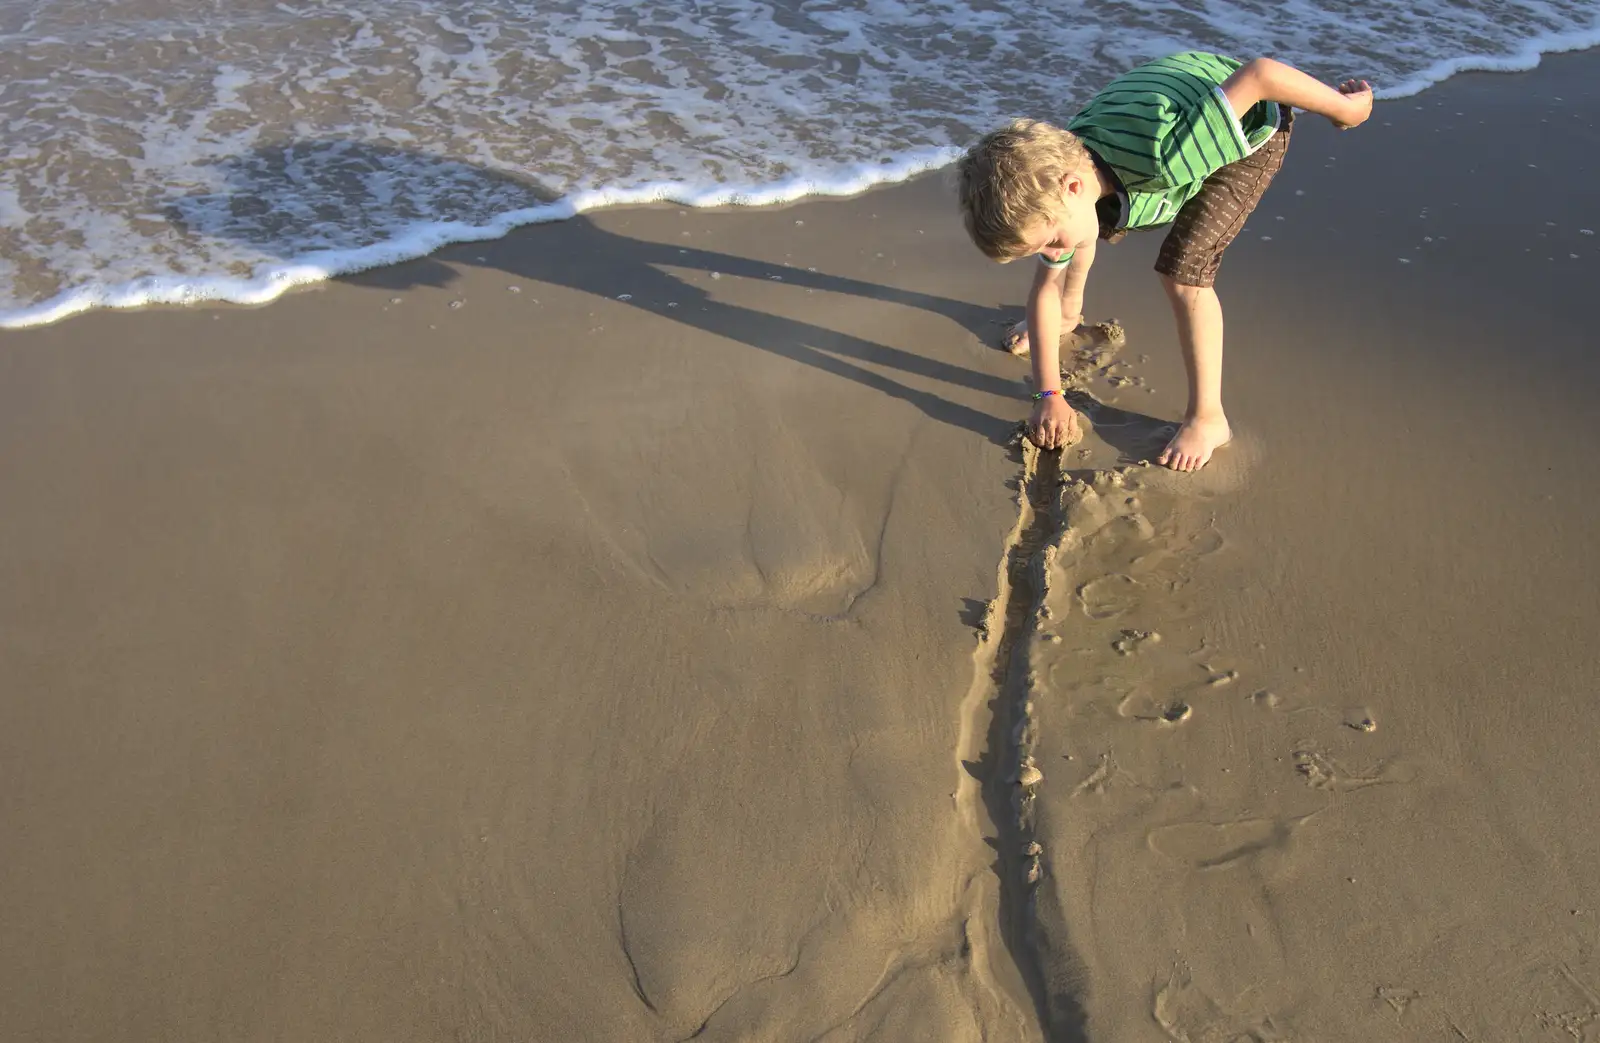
(1263, 79)
(1055, 299)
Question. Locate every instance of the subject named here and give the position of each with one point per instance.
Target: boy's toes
(1015, 339)
(1191, 448)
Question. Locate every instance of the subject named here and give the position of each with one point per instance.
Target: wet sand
(625, 631)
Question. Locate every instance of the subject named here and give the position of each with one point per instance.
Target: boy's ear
(1072, 184)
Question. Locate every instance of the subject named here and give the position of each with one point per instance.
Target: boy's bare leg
(1205, 426)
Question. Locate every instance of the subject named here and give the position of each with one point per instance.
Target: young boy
(1191, 140)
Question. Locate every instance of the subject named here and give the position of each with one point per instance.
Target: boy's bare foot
(1196, 440)
(1015, 339)
(1359, 94)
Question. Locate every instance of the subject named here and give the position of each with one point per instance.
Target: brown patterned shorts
(1206, 224)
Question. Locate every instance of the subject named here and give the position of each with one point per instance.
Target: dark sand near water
(564, 667)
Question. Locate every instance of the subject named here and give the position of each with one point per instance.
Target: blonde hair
(1010, 179)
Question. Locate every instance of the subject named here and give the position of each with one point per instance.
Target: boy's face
(1073, 224)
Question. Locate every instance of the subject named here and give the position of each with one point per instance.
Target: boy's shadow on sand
(274, 196)
(1135, 436)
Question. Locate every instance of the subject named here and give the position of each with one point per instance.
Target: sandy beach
(638, 628)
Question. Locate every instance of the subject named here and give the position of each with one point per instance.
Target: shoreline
(318, 267)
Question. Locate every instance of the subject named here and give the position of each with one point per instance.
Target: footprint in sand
(1108, 596)
(1321, 771)
(1206, 541)
(1267, 699)
(1125, 535)
(1189, 1015)
(1106, 774)
(1140, 707)
(1132, 641)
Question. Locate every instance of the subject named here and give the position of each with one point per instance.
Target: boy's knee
(1184, 295)
(1179, 291)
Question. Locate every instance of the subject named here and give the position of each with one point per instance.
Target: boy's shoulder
(1160, 88)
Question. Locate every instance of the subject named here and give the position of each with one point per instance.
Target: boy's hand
(1358, 96)
(1054, 424)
